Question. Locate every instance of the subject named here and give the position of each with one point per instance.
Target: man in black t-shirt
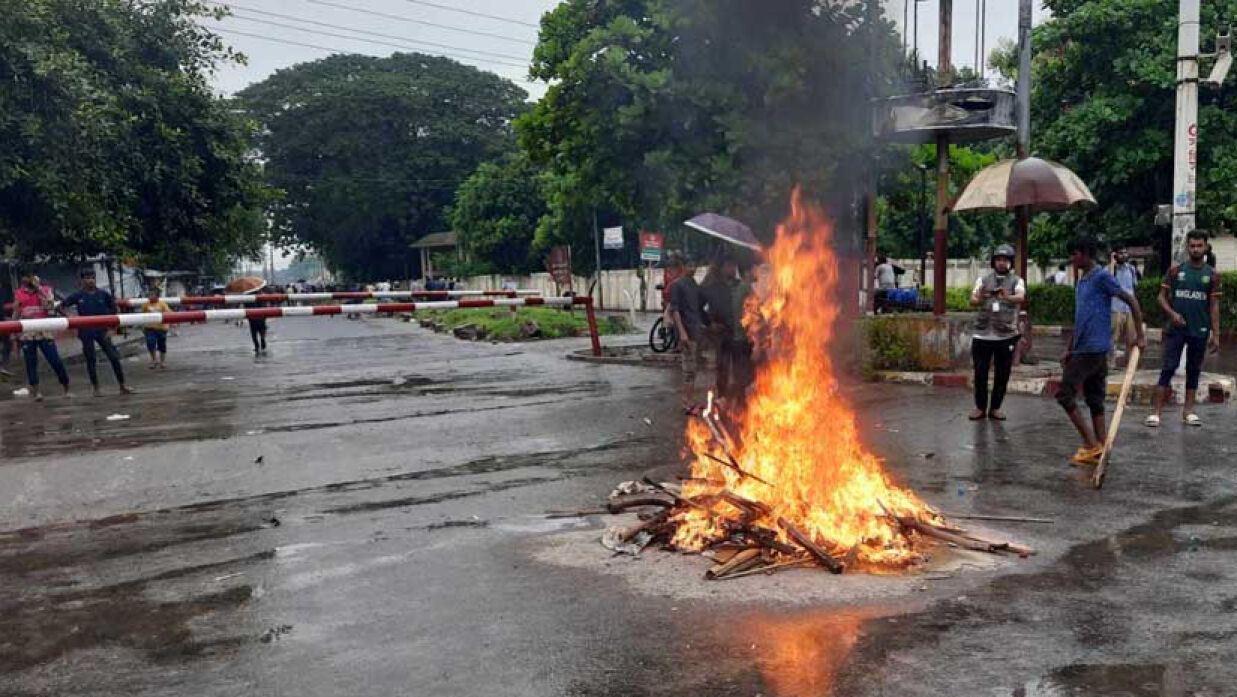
(91, 301)
(686, 312)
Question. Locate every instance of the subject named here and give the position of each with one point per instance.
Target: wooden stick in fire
(730, 461)
(806, 542)
(1130, 369)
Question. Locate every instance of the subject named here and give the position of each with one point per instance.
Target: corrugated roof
(436, 239)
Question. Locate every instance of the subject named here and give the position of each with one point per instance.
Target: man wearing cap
(92, 301)
(997, 296)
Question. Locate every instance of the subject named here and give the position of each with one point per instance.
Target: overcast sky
(501, 42)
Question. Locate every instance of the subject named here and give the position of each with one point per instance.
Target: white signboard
(613, 238)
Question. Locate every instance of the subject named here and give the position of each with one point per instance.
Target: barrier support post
(592, 325)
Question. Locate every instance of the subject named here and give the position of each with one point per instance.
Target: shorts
(1195, 348)
(1090, 372)
(156, 340)
(1123, 329)
(693, 360)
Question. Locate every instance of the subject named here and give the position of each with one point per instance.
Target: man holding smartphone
(997, 297)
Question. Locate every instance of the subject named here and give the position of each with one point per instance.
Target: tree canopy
(114, 142)
(1103, 103)
(660, 109)
(368, 152)
(497, 211)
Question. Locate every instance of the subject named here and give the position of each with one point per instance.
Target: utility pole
(1022, 216)
(941, 231)
(906, 8)
(1185, 149)
(983, 41)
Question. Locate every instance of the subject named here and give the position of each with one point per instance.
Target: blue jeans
(156, 340)
(90, 337)
(30, 351)
(1195, 348)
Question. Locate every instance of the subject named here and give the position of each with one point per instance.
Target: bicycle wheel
(662, 336)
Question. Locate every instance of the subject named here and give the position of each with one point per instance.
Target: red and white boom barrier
(139, 319)
(318, 297)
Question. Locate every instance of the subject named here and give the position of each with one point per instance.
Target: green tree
(1103, 103)
(902, 213)
(497, 211)
(368, 152)
(659, 109)
(113, 140)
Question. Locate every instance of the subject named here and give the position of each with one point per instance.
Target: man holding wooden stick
(1190, 296)
(1086, 359)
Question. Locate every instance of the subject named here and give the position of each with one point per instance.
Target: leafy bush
(889, 344)
(505, 326)
(1051, 304)
(956, 299)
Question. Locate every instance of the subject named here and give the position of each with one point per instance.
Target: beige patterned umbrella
(1041, 185)
(247, 285)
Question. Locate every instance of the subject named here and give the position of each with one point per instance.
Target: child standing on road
(156, 334)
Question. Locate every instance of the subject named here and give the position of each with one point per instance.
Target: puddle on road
(1106, 681)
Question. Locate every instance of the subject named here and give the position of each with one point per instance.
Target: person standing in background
(156, 334)
(35, 301)
(1190, 296)
(1122, 322)
(92, 301)
(686, 313)
(997, 297)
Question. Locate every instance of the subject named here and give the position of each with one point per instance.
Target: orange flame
(798, 433)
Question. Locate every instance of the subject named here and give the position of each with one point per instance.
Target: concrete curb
(1142, 392)
(1153, 335)
(630, 355)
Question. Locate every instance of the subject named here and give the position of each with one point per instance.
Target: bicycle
(663, 337)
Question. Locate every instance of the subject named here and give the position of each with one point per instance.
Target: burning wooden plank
(815, 550)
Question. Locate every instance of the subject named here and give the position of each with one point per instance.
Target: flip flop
(975, 415)
(997, 415)
(1193, 420)
(1087, 458)
(1152, 421)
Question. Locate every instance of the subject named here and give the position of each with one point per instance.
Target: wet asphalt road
(387, 543)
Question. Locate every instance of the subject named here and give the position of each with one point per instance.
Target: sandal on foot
(1087, 457)
(975, 415)
(1152, 421)
(996, 415)
(1193, 420)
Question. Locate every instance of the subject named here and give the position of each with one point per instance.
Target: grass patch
(504, 325)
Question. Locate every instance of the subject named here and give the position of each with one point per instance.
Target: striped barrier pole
(317, 297)
(139, 319)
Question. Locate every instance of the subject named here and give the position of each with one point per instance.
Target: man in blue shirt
(1086, 359)
(90, 301)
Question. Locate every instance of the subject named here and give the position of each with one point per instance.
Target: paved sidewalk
(1045, 380)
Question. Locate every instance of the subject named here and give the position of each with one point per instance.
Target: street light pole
(1185, 150)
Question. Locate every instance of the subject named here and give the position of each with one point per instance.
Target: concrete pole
(1023, 91)
(1185, 150)
(941, 228)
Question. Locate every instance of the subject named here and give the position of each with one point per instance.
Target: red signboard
(651, 246)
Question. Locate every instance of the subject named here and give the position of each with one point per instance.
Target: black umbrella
(725, 229)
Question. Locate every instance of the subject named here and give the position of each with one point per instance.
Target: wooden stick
(806, 542)
(623, 503)
(744, 557)
(770, 569)
(999, 518)
(1130, 369)
(733, 463)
